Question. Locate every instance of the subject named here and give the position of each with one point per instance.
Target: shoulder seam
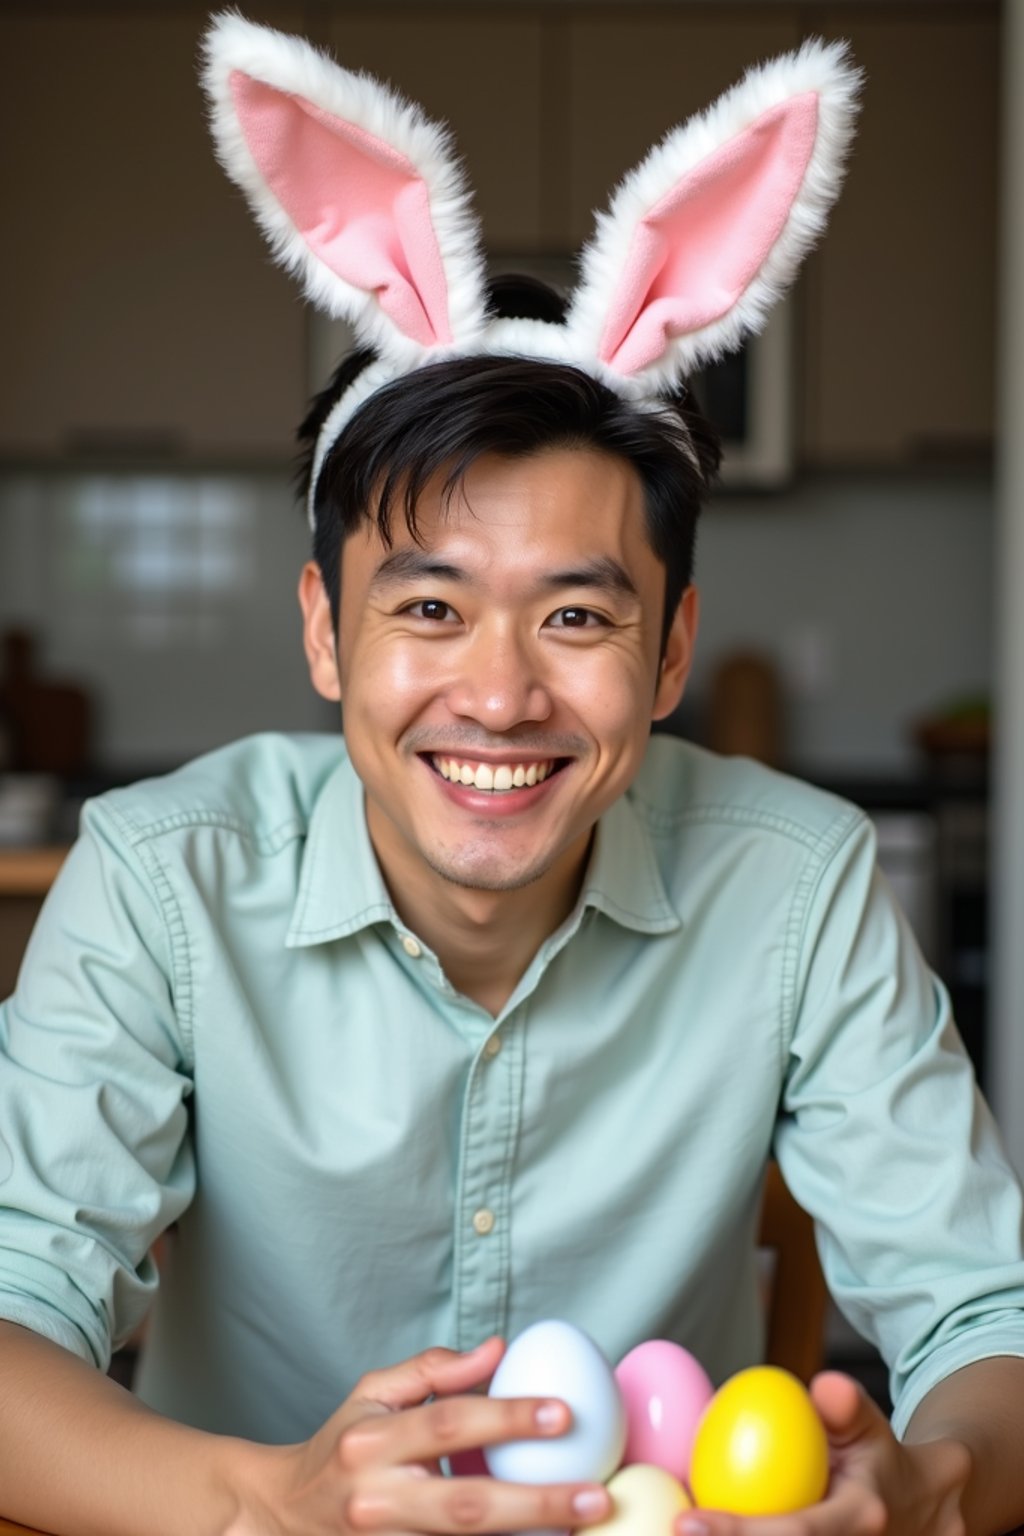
(271, 841)
(177, 931)
(826, 848)
(739, 816)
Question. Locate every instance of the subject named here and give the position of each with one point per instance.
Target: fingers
(470, 1504)
(451, 1424)
(434, 1372)
(845, 1409)
(852, 1511)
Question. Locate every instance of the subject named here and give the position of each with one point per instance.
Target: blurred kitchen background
(856, 566)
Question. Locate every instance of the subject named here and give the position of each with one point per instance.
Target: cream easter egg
(645, 1502)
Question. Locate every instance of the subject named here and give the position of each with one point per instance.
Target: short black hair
(446, 415)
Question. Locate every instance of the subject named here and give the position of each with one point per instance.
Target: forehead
(536, 508)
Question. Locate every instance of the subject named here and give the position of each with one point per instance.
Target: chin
(488, 875)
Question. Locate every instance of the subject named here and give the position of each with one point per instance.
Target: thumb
(845, 1409)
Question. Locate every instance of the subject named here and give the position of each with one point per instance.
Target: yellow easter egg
(760, 1447)
(645, 1502)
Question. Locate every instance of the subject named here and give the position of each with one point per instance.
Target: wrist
(248, 1479)
(945, 1468)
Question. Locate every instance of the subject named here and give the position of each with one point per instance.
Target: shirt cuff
(51, 1325)
(980, 1344)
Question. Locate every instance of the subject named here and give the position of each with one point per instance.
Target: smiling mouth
(495, 778)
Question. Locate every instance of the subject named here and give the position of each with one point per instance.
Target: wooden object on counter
(50, 723)
(746, 708)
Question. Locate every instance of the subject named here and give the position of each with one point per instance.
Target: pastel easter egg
(645, 1502)
(468, 1463)
(665, 1390)
(556, 1359)
(760, 1447)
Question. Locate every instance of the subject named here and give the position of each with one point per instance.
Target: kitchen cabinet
(480, 71)
(145, 320)
(632, 73)
(142, 318)
(26, 875)
(899, 318)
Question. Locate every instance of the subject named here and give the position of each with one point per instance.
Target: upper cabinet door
(479, 71)
(142, 315)
(634, 73)
(900, 297)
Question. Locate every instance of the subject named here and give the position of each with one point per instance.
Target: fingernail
(550, 1416)
(692, 1527)
(592, 1501)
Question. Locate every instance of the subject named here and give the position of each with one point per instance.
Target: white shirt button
(483, 1221)
(492, 1046)
(411, 946)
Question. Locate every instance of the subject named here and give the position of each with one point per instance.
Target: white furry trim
(537, 340)
(817, 66)
(292, 65)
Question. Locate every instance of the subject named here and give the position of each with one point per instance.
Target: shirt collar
(623, 879)
(341, 888)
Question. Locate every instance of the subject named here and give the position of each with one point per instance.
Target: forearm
(982, 1407)
(80, 1456)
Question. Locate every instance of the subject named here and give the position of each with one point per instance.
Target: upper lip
(510, 755)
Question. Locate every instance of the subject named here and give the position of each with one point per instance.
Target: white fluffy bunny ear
(705, 234)
(357, 191)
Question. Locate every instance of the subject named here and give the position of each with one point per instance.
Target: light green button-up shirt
(221, 1021)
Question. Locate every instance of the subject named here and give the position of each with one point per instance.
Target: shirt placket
(491, 1115)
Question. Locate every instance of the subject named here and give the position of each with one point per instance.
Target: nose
(499, 681)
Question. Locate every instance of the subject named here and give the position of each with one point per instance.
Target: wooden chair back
(797, 1295)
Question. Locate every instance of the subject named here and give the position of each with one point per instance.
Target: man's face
(499, 678)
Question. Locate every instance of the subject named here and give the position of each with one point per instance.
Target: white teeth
(487, 776)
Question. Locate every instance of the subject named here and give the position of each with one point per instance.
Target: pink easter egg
(665, 1390)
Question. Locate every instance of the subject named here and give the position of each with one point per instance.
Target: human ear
(678, 655)
(318, 637)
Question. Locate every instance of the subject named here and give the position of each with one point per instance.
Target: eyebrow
(411, 564)
(601, 572)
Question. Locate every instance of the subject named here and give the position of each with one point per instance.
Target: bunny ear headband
(363, 198)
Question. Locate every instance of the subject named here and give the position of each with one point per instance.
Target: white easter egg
(556, 1359)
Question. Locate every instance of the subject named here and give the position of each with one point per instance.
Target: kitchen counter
(29, 871)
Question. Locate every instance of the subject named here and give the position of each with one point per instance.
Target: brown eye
(431, 608)
(576, 618)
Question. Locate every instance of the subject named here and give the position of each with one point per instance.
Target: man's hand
(374, 1466)
(876, 1484)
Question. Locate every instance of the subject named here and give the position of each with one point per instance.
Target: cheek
(609, 690)
(382, 675)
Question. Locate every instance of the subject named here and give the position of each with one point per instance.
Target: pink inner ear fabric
(695, 252)
(360, 206)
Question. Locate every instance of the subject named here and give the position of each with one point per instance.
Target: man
(495, 1011)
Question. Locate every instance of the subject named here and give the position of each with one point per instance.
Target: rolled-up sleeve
(886, 1140)
(95, 1155)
